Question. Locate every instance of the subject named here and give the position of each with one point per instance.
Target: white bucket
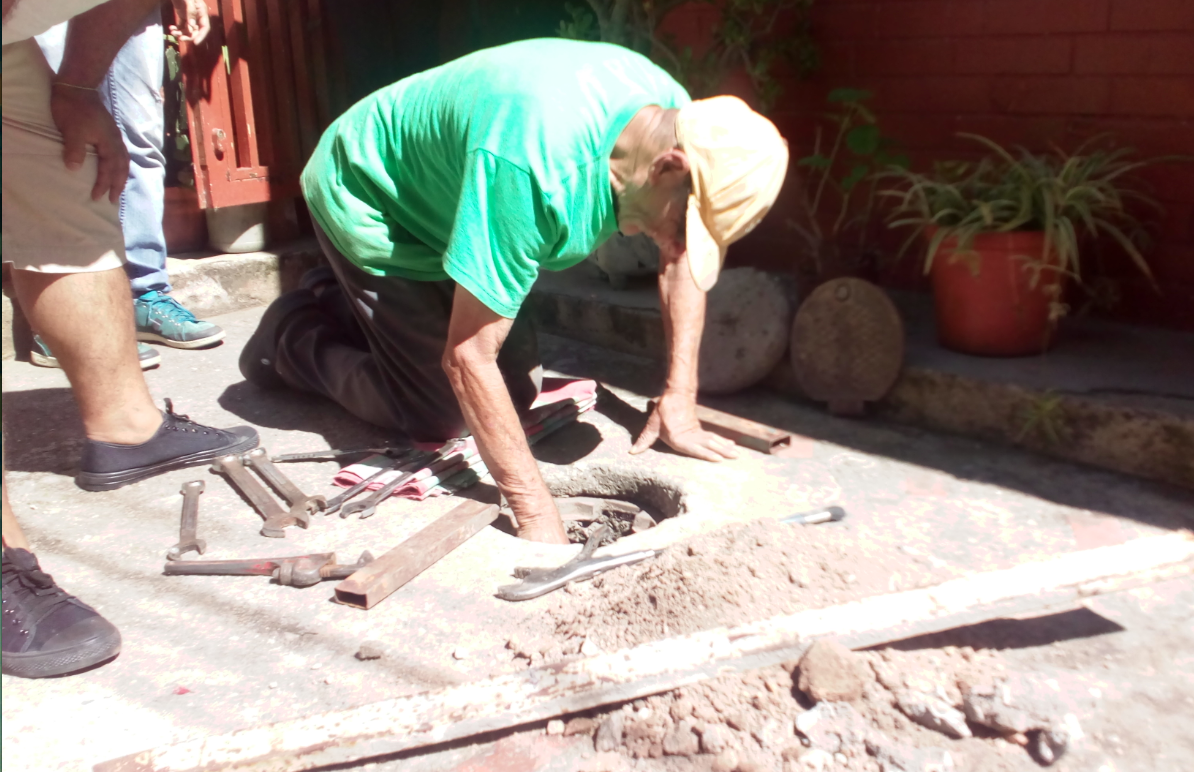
(236, 228)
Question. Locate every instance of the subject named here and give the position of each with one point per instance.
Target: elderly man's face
(658, 207)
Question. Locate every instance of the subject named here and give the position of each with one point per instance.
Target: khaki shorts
(50, 224)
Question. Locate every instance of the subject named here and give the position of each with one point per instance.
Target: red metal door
(257, 89)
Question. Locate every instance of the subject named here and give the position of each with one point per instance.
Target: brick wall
(1019, 71)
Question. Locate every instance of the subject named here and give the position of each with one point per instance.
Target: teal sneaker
(162, 319)
(43, 357)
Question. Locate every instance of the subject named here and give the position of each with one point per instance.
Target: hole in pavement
(629, 491)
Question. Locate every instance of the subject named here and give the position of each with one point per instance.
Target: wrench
(367, 507)
(540, 581)
(299, 571)
(404, 462)
(276, 518)
(302, 506)
(187, 540)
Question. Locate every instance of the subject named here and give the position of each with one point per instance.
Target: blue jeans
(132, 92)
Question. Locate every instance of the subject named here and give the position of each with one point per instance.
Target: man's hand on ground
(195, 21)
(83, 120)
(674, 421)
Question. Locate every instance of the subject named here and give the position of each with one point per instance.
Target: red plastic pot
(985, 300)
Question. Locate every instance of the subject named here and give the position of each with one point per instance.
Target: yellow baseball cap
(738, 162)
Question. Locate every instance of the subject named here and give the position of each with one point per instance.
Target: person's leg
(132, 92)
(88, 323)
(67, 256)
(399, 382)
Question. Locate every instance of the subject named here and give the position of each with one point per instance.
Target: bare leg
(13, 535)
(87, 320)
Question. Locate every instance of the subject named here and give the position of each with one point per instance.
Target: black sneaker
(179, 442)
(257, 357)
(45, 631)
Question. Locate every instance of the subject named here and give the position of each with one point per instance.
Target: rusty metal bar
(747, 433)
(373, 583)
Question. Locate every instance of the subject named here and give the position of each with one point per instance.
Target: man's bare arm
(674, 420)
(475, 336)
(92, 42)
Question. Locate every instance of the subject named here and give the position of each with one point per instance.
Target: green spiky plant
(1089, 192)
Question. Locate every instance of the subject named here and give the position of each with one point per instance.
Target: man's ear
(668, 167)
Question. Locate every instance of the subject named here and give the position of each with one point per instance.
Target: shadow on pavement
(42, 431)
(1015, 633)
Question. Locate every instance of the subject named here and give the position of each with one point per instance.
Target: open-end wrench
(331, 455)
(540, 581)
(404, 462)
(276, 518)
(258, 458)
(298, 571)
(442, 458)
(187, 538)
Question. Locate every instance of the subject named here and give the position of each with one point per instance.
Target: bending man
(439, 199)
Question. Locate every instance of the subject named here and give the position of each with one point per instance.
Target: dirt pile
(735, 575)
(923, 711)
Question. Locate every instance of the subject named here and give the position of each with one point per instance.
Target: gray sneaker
(43, 357)
(46, 631)
(162, 319)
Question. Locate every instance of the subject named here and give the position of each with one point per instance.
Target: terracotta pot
(985, 300)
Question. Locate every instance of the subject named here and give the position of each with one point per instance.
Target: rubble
(831, 726)
(371, 650)
(934, 713)
(829, 672)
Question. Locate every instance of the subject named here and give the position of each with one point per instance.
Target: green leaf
(849, 95)
(817, 161)
(856, 175)
(863, 140)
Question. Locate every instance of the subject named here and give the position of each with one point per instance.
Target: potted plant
(1004, 234)
(839, 177)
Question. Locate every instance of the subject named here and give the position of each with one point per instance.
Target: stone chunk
(815, 760)
(580, 725)
(555, 727)
(371, 650)
(609, 732)
(681, 741)
(715, 738)
(829, 672)
(934, 713)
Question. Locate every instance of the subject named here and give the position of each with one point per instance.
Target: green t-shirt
(485, 169)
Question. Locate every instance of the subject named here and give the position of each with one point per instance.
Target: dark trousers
(374, 345)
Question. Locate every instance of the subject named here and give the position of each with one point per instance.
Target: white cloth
(33, 17)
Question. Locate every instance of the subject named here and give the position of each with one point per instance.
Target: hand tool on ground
(298, 571)
(826, 515)
(540, 581)
(187, 539)
(258, 458)
(331, 455)
(442, 458)
(376, 581)
(403, 462)
(276, 518)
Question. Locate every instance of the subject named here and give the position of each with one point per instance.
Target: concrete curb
(206, 283)
(1153, 444)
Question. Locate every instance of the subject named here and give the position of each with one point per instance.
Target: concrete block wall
(1029, 72)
